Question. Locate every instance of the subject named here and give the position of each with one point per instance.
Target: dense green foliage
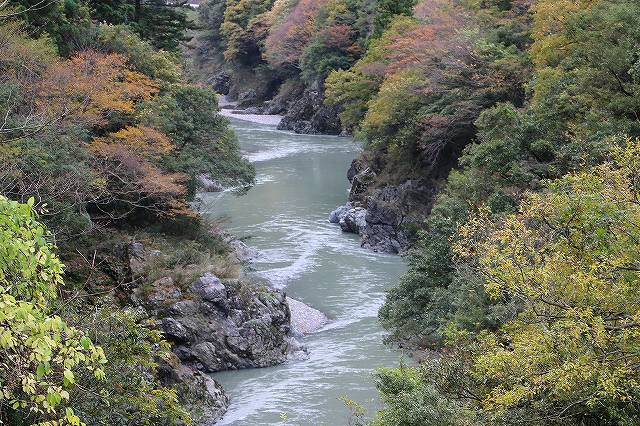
(386, 10)
(500, 101)
(204, 144)
(569, 256)
(162, 23)
(289, 40)
(40, 352)
(101, 136)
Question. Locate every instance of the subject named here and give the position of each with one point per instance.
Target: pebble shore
(304, 318)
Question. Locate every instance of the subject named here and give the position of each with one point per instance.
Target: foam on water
(256, 157)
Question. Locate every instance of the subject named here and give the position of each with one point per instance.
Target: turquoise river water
(300, 179)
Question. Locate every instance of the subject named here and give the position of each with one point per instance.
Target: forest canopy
(103, 137)
(519, 118)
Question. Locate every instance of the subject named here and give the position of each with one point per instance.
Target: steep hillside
(274, 56)
(110, 281)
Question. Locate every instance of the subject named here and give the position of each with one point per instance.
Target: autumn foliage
(287, 39)
(101, 137)
(90, 87)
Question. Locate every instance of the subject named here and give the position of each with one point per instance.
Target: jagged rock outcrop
(357, 165)
(213, 325)
(202, 396)
(392, 212)
(248, 99)
(221, 83)
(385, 217)
(339, 213)
(354, 221)
(360, 184)
(218, 326)
(310, 115)
(384, 220)
(275, 106)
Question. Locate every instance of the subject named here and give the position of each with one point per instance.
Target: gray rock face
(360, 183)
(203, 397)
(207, 184)
(310, 115)
(384, 219)
(214, 325)
(339, 213)
(247, 99)
(221, 83)
(184, 308)
(354, 221)
(207, 355)
(384, 216)
(137, 256)
(210, 289)
(227, 326)
(174, 330)
(277, 105)
(356, 167)
(389, 214)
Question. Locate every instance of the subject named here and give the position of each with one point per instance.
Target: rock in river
(339, 213)
(354, 221)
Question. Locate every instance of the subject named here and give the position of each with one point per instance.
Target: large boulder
(339, 213)
(354, 221)
(137, 256)
(174, 330)
(210, 289)
(228, 325)
(243, 252)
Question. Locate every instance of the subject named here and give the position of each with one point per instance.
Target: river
(300, 179)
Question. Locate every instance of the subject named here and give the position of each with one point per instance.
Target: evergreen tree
(162, 23)
(387, 10)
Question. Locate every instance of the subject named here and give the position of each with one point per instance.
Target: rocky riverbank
(300, 108)
(386, 216)
(304, 318)
(213, 325)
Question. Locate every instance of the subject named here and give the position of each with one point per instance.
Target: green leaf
(69, 378)
(85, 342)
